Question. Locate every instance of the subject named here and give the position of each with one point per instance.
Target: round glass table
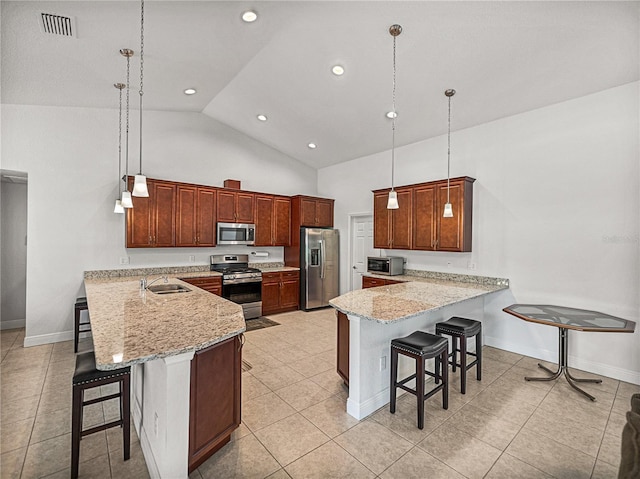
(565, 319)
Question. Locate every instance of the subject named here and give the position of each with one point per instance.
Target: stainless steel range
(240, 284)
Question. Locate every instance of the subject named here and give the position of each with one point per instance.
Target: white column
(164, 421)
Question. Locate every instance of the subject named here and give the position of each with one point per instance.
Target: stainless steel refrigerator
(319, 267)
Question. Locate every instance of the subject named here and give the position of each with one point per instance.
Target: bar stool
(421, 346)
(84, 327)
(87, 376)
(461, 329)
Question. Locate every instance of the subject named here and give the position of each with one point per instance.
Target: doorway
(13, 249)
(360, 246)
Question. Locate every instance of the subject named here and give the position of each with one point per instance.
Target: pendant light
(118, 207)
(140, 183)
(126, 200)
(448, 210)
(392, 203)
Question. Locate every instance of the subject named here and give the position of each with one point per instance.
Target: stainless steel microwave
(236, 233)
(391, 265)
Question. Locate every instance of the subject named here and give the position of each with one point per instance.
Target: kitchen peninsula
(377, 315)
(184, 350)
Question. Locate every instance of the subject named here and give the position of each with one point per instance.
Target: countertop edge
(152, 357)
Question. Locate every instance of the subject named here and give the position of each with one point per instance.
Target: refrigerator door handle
(321, 259)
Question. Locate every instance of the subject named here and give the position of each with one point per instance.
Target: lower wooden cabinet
(343, 346)
(215, 398)
(213, 284)
(371, 282)
(280, 291)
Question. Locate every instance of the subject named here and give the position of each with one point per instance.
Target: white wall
(13, 248)
(71, 156)
(556, 210)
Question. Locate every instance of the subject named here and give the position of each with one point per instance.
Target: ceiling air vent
(58, 25)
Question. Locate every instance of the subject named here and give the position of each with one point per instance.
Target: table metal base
(563, 367)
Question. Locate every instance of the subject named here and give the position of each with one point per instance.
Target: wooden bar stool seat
(421, 346)
(461, 329)
(80, 327)
(87, 376)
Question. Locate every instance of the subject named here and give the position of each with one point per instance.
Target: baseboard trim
(594, 367)
(48, 338)
(371, 405)
(13, 324)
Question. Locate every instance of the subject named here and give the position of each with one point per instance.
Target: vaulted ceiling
(503, 58)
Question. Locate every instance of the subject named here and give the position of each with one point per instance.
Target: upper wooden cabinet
(273, 220)
(235, 206)
(195, 216)
(314, 211)
(418, 222)
(392, 228)
(151, 221)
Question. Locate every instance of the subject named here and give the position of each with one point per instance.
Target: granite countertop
(129, 326)
(277, 269)
(419, 294)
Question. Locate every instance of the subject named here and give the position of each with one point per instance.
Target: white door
(361, 246)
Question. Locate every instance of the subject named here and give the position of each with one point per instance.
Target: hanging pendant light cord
(126, 170)
(393, 119)
(119, 86)
(449, 150)
(141, 73)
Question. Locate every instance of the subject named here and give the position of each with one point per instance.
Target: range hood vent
(58, 25)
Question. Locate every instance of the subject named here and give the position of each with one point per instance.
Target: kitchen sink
(168, 288)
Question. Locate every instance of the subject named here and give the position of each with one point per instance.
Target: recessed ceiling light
(391, 114)
(337, 70)
(190, 91)
(249, 16)
(312, 146)
(262, 117)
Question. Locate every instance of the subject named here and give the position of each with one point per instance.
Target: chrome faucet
(144, 284)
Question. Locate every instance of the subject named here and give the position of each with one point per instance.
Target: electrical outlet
(124, 260)
(383, 363)
(471, 265)
(155, 424)
(192, 258)
(449, 265)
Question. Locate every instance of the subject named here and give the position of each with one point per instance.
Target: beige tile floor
(295, 424)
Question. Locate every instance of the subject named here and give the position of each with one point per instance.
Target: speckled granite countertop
(386, 304)
(277, 269)
(130, 327)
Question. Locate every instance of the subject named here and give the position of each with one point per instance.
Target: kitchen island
(184, 352)
(378, 315)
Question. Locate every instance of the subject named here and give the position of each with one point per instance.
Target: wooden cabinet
(213, 284)
(195, 216)
(371, 282)
(215, 398)
(306, 211)
(392, 228)
(342, 363)
(280, 291)
(314, 211)
(235, 206)
(151, 221)
(418, 224)
(454, 234)
(273, 220)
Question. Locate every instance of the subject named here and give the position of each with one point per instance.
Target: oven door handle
(242, 280)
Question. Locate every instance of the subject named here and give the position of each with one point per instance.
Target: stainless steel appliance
(240, 284)
(319, 267)
(391, 265)
(236, 233)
